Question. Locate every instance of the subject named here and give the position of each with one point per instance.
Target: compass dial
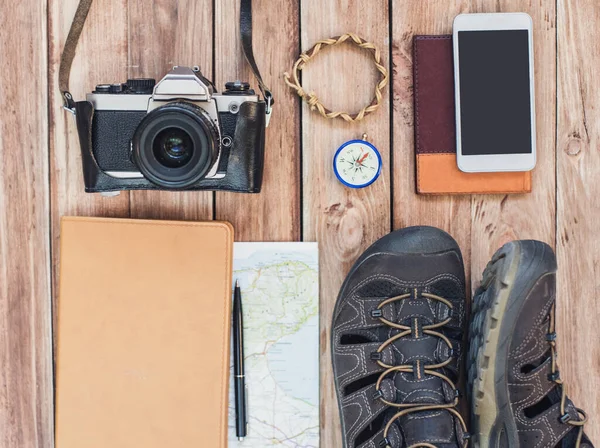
(357, 164)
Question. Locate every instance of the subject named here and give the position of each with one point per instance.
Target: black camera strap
(246, 33)
(81, 14)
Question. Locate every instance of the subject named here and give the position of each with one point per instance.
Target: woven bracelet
(312, 99)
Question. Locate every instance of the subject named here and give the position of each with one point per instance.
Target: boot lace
(416, 330)
(555, 377)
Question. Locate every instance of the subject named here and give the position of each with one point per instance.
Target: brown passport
(435, 130)
(143, 334)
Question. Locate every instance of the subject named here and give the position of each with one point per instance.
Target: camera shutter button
(116, 88)
(102, 88)
(237, 86)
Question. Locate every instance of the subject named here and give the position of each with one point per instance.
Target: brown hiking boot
(518, 398)
(397, 340)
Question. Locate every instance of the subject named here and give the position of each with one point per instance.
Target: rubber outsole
(507, 282)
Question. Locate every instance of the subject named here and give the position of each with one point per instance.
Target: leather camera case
(244, 168)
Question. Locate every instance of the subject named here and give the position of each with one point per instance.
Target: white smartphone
(493, 79)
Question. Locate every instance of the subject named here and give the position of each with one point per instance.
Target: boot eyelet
(384, 443)
(554, 376)
(551, 337)
(376, 313)
(375, 356)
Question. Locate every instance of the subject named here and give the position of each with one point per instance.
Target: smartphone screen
(495, 97)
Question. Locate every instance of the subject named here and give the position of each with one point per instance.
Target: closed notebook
(435, 129)
(143, 334)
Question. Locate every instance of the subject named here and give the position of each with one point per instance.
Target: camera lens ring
(188, 123)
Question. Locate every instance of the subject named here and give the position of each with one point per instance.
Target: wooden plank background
(41, 180)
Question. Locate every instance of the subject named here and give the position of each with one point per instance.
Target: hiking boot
(397, 343)
(518, 398)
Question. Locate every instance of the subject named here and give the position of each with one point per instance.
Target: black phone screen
(495, 109)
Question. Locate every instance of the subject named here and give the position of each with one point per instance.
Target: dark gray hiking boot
(397, 343)
(518, 399)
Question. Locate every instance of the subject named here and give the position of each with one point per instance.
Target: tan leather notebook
(435, 129)
(143, 334)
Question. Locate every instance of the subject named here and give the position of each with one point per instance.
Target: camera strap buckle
(69, 109)
(269, 108)
(69, 104)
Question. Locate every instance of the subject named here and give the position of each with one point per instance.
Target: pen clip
(246, 404)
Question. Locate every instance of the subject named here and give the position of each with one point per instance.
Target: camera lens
(173, 147)
(176, 145)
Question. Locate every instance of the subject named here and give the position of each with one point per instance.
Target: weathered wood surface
(41, 175)
(274, 215)
(25, 290)
(342, 220)
(578, 203)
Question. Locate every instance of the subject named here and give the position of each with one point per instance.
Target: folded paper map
(280, 295)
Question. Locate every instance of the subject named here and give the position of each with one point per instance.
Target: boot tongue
(405, 433)
(417, 387)
(436, 428)
(418, 350)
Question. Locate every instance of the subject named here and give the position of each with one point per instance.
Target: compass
(357, 163)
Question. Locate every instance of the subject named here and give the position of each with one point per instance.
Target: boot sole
(507, 281)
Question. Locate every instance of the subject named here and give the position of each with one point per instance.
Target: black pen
(241, 419)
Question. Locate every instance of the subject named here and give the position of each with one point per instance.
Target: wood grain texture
(342, 220)
(162, 34)
(25, 309)
(274, 214)
(41, 177)
(499, 219)
(451, 213)
(578, 199)
(101, 58)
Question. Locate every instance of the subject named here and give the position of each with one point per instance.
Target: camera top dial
(139, 86)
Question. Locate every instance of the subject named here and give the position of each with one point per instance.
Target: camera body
(176, 134)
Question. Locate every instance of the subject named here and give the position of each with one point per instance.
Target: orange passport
(435, 129)
(143, 334)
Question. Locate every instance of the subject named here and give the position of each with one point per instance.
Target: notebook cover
(143, 334)
(435, 129)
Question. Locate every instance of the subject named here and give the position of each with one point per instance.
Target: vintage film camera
(177, 133)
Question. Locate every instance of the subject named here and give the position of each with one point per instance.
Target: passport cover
(435, 129)
(143, 331)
